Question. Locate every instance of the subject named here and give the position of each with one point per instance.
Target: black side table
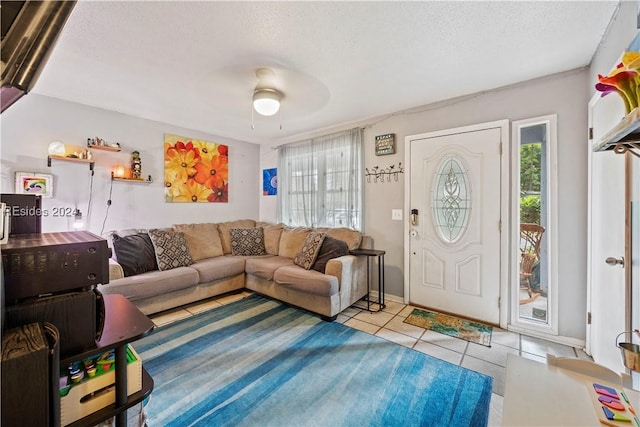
(369, 253)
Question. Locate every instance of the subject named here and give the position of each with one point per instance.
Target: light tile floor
(389, 324)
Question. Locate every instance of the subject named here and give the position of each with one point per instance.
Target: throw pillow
(331, 248)
(134, 253)
(247, 241)
(171, 249)
(122, 233)
(225, 234)
(307, 254)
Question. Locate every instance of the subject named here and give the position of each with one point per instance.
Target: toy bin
(89, 385)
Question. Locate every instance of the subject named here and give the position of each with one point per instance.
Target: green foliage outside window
(530, 172)
(530, 209)
(530, 155)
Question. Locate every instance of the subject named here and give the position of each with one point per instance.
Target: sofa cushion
(265, 267)
(352, 238)
(247, 241)
(307, 254)
(292, 240)
(152, 283)
(171, 249)
(309, 281)
(218, 268)
(272, 233)
(331, 248)
(203, 240)
(225, 235)
(135, 253)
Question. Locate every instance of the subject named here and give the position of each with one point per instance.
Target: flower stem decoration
(624, 80)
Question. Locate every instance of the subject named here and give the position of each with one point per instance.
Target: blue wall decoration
(270, 182)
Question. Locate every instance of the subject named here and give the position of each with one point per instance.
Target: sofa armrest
(351, 273)
(341, 268)
(115, 270)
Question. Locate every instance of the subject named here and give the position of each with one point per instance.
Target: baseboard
(387, 297)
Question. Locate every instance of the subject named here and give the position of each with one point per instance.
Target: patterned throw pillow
(307, 254)
(171, 249)
(247, 241)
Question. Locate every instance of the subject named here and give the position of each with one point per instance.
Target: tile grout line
(464, 353)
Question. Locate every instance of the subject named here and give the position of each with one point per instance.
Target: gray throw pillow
(135, 253)
(171, 249)
(247, 241)
(307, 254)
(331, 248)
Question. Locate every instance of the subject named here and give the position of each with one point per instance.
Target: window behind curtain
(320, 181)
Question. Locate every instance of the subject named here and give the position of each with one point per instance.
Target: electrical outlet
(396, 214)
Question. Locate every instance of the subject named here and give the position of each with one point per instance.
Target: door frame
(517, 324)
(505, 219)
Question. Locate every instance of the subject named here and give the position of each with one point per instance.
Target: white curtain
(320, 181)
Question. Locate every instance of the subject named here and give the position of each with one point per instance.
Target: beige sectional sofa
(282, 272)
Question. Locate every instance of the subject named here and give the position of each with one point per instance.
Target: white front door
(455, 249)
(607, 239)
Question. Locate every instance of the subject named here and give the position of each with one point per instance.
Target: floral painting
(195, 170)
(269, 182)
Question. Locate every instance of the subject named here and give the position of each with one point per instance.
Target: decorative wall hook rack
(378, 174)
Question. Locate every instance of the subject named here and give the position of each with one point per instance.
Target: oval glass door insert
(451, 199)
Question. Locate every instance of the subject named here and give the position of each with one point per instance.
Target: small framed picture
(385, 144)
(34, 183)
(270, 182)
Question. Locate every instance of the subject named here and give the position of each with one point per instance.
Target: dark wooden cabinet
(27, 374)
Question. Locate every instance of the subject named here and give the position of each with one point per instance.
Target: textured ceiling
(193, 64)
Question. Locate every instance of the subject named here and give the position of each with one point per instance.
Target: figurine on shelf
(136, 165)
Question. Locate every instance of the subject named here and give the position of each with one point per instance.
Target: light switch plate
(396, 214)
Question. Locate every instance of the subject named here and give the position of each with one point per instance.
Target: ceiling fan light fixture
(266, 101)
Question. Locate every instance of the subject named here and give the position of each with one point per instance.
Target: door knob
(612, 261)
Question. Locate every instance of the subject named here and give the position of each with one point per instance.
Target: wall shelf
(139, 181)
(134, 180)
(70, 159)
(624, 137)
(104, 147)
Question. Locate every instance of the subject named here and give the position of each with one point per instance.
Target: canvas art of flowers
(269, 182)
(195, 171)
(623, 80)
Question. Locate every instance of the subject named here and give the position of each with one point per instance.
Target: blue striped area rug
(258, 362)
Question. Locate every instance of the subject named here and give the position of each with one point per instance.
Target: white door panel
(455, 247)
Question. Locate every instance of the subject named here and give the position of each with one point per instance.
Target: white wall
(34, 121)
